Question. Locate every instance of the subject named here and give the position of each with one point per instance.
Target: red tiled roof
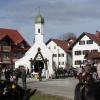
(91, 36)
(61, 43)
(93, 55)
(94, 38)
(14, 35)
(2, 36)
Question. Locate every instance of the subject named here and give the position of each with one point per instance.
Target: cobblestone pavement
(61, 87)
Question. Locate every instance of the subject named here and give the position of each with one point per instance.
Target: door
(38, 66)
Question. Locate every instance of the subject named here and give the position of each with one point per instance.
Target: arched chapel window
(39, 30)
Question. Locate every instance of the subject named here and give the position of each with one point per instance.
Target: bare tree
(67, 35)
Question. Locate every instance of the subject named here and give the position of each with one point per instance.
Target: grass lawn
(40, 96)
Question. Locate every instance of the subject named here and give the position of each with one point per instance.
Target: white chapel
(38, 55)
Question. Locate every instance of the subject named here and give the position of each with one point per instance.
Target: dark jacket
(23, 75)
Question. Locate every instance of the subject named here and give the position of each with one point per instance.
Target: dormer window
(89, 41)
(81, 42)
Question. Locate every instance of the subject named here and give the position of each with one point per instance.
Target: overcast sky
(61, 16)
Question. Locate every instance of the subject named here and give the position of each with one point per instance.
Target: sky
(61, 16)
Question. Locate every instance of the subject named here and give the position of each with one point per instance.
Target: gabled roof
(14, 35)
(39, 52)
(94, 38)
(61, 43)
(91, 36)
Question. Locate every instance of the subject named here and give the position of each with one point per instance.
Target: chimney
(97, 34)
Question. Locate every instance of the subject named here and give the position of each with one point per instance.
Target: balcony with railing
(20, 49)
(6, 60)
(6, 48)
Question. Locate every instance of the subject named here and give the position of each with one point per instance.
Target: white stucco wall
(78, 47)
(57, 50)
(31, 53)
(38, 36)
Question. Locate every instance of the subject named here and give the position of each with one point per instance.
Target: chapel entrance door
(38, 66)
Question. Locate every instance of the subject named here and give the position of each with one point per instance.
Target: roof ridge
(8, 29)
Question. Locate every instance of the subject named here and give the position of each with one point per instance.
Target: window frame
(89, 42)
(81, 42)
(77, 52)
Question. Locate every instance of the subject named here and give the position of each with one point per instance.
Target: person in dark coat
(7, 74)
(23, 76)
(0, 72)
(16, 76)
(28, 72)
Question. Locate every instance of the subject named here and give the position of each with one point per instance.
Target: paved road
(61, 87)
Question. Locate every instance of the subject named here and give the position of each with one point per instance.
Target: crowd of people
(88, 74)
(14, 75)
(84, 74)
(88, 87)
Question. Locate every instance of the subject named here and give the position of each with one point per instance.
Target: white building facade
(37, 54)
(61, 57)
(84, 44)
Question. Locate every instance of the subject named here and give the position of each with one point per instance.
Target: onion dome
(39, 19)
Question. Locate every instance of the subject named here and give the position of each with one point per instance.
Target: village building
(62, 56)
(48, 57)
(12, 47)
(38, 57)
(86, 43)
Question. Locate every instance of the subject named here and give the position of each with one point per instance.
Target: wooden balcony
(6, 48)
(6, 60)
(20, 49)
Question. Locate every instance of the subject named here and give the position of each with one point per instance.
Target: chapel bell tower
(39, 22)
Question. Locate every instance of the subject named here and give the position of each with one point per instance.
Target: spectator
(87, 75)
(0, 72)
(28, 72)
(16, 76)
(98, 70)
(7, 74)
(23, 76)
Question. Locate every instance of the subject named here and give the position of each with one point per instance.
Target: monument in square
(38, 57)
